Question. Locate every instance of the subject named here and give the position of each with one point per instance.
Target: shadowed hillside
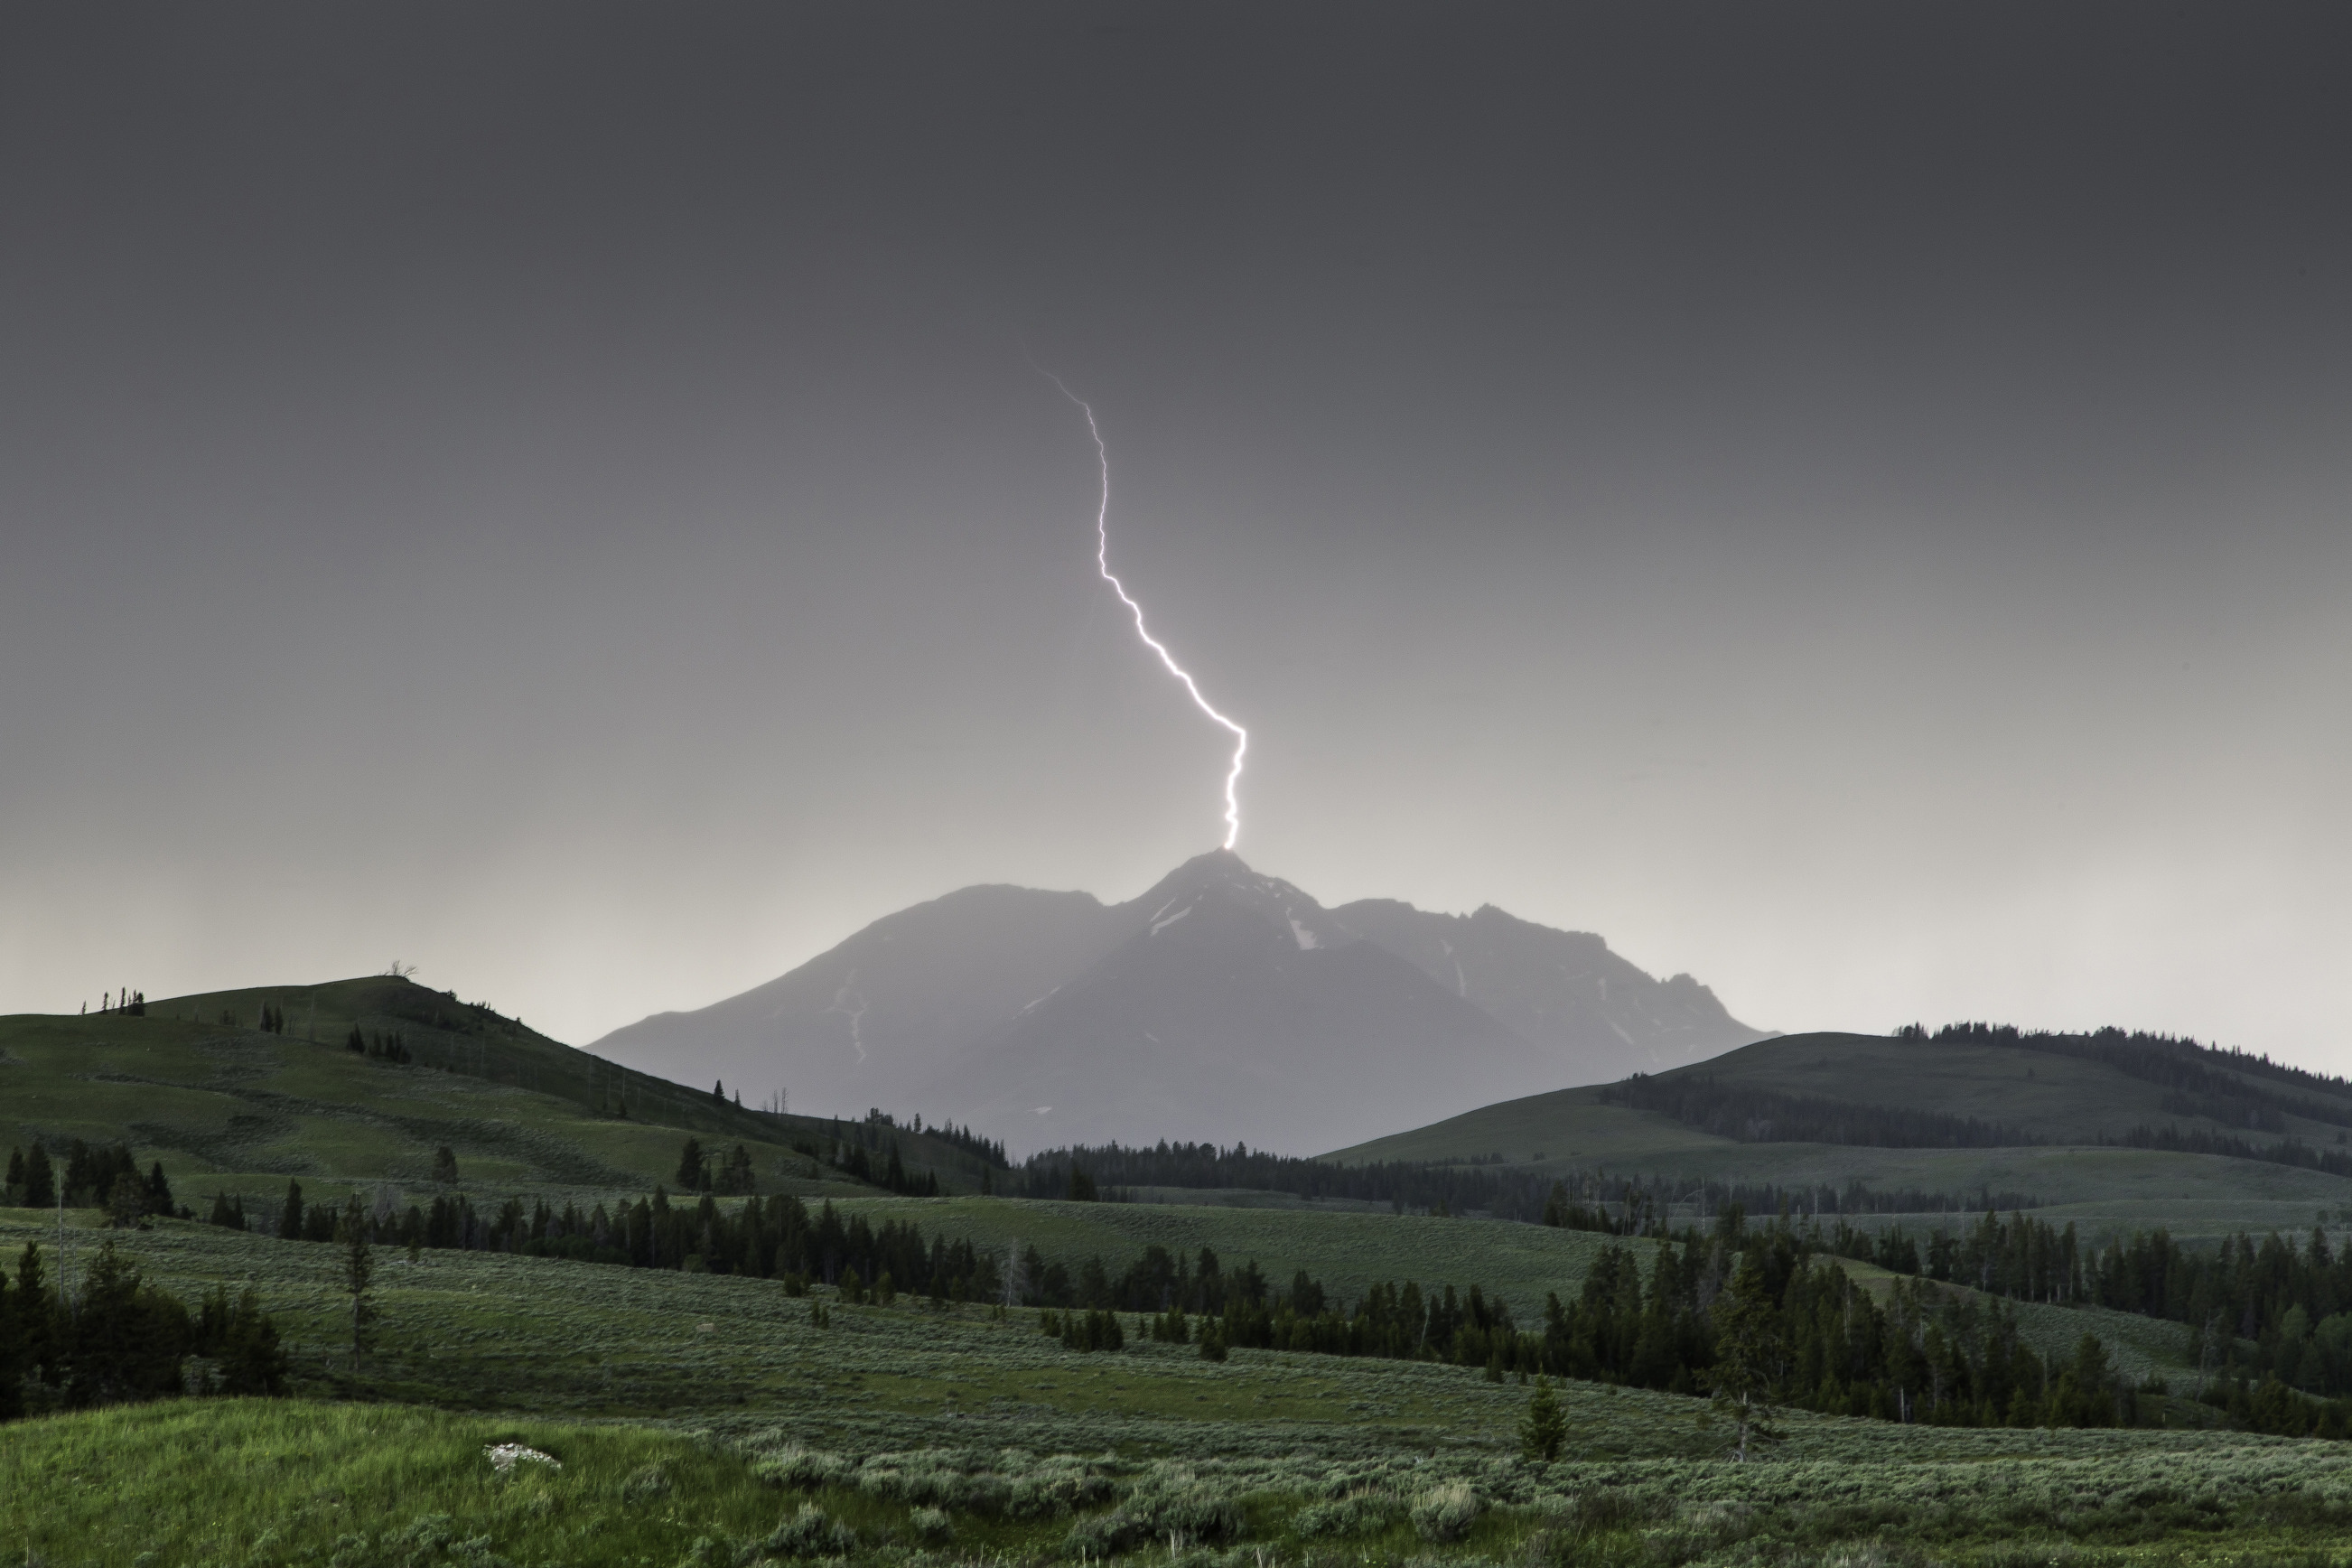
(365, 1079)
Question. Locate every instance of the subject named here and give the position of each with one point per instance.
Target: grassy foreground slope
(253, 1482)
(224, 1104)
(669, 1397)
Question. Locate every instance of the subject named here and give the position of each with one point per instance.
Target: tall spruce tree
(1544, 1430)
(289, 1218)
(40, 1179)
(359, 1275)
(1747, 1357)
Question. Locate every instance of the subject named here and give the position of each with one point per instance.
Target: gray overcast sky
(1848, 500)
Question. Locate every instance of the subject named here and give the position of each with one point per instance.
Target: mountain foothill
(1221, 1004)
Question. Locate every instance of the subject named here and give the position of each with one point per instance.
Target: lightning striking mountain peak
(1102, 564)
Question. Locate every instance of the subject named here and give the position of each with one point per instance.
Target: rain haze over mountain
(1220, 1004)
(1847, 500)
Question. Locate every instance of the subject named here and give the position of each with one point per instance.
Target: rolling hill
(224, 1103)
(2125, 1130)
(1203, 1008)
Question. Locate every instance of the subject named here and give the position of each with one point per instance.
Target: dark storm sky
(1849, 501)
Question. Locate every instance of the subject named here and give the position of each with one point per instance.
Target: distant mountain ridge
(1220, 1004)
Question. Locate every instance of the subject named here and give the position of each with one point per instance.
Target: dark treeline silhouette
(2272, 1309)
(1479, 1185)
(2207, 1077)
(2270, 1320)
(1768, 1116)
(96, 1176)
(116, 1339)
(392, 1048)
(2173, 1138)
(770, 1238)
(868, 1152)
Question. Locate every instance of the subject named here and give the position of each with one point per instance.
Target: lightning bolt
(1102, 564)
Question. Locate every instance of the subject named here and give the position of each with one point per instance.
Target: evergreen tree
(159, 1190)
(359, 1275)
(1747, 1356)
(1082, 1186)
(243, 1341)
(13, 1185)
(1544, 1429)
(40, 1179)
(289, 1218)
(126, 1205)
(691, 1175)
(127, 1339)
(445, 1164)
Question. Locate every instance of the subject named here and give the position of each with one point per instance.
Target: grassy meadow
(705, 1419)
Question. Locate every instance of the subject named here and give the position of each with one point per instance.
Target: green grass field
(697, 1416)
(617, 1371)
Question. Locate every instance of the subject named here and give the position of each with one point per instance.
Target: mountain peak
(1225, 877)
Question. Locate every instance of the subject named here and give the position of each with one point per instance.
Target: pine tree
(1545, 1428)
(289, 1218)
(359, 1275)
(445, 1164)
(40, 1179)
(126, 1203)
(1746, 1352)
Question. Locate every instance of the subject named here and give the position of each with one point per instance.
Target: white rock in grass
(503, 1457)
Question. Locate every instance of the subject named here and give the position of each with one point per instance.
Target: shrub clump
(1356, 1514)
(1169, 1506)
(809, 1533)
(794, 1466)
(1446, 1513)
(647, 1485)
(932, 1525)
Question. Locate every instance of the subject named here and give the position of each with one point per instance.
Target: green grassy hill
(199, 1084)
(2066, 1117)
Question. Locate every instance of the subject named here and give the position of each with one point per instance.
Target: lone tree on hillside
(359, 1274)
(444, 1164)
(1746, 1354)
(1545, 1428)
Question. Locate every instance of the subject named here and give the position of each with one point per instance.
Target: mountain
(1562, 989)
(1219, 1004)
(1236, 1009)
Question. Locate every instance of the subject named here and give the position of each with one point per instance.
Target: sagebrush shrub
(809, 1533)
(1446, 1513)
(1355, 1515)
